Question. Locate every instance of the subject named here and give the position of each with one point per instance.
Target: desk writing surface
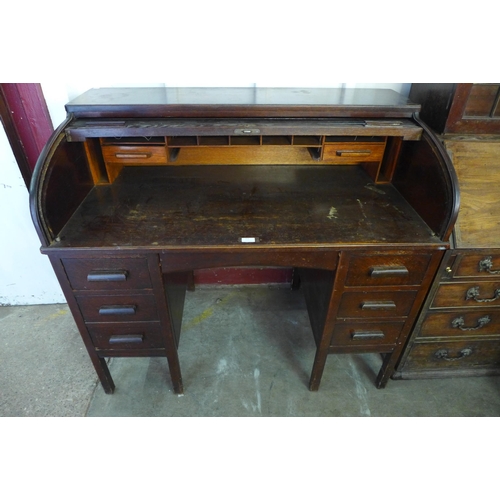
(192, 206)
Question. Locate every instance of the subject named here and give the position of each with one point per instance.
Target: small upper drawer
(480, 265)
(135, 155)
(387, 269)
(107, 274)
(469, 294)
(353, 152)
(376, 304)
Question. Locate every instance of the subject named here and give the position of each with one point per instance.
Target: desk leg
(387, 369)
(175, 371)
(322, 299)
(170, 292)
(318, 367)
(102, 370)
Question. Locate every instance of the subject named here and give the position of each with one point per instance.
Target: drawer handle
(107, 276)
(126, 339)
(246, 131)
(473, 293)
(367, 334)
(460, 322)
(126, 310)
(378, 305)
(388, 271)
(486, 264)
(133, 155)
(348, 152)
(443, 354)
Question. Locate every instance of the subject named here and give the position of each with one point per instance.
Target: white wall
(25, 275)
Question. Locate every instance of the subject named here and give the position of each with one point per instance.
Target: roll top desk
(140, 187)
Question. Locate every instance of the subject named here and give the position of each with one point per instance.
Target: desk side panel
(426, 178)
(60, 182)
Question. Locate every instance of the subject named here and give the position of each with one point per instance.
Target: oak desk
(139, 187)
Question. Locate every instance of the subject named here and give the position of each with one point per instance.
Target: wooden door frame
(27, 123)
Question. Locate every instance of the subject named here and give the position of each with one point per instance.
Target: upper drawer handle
(366, 335)
(133, 155)
(460, 322)
(106, 310)
(246, 131)
(107, 276)
(473, 293)
(354, 152)
(126, 339)
(486, 264)
(377, 305)
(388, 271)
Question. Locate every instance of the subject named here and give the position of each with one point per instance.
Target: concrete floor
(244, 351)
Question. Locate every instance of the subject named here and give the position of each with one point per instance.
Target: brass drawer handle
(107, 276)
(367, 334)
(388, 271)
(133, 155)
(443, 354)
(349, 152)
(125, 310)
(126, 339)
(473, 293)
(486, 264)
(460, 322)
(377, 305)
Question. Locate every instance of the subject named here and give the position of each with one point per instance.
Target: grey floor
(244, 351)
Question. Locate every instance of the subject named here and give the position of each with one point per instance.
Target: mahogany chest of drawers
(458, 330)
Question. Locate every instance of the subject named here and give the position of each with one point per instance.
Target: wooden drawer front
(470, 294)
(376, 304)
(139, 335)
(135, 155)
(460, 323)
(114, 308)
(481, 265)
(347, 153)
(107, 274)
(454, 355)
(376, 270)
(365, 334)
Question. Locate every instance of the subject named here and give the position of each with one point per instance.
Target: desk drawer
(117, 308)
(387, 269)
(469, 294)
(376, 304)
(134, 336)
(365, 334)
(347, 153)
(459, 323)
(108, 274)
(135, 155)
